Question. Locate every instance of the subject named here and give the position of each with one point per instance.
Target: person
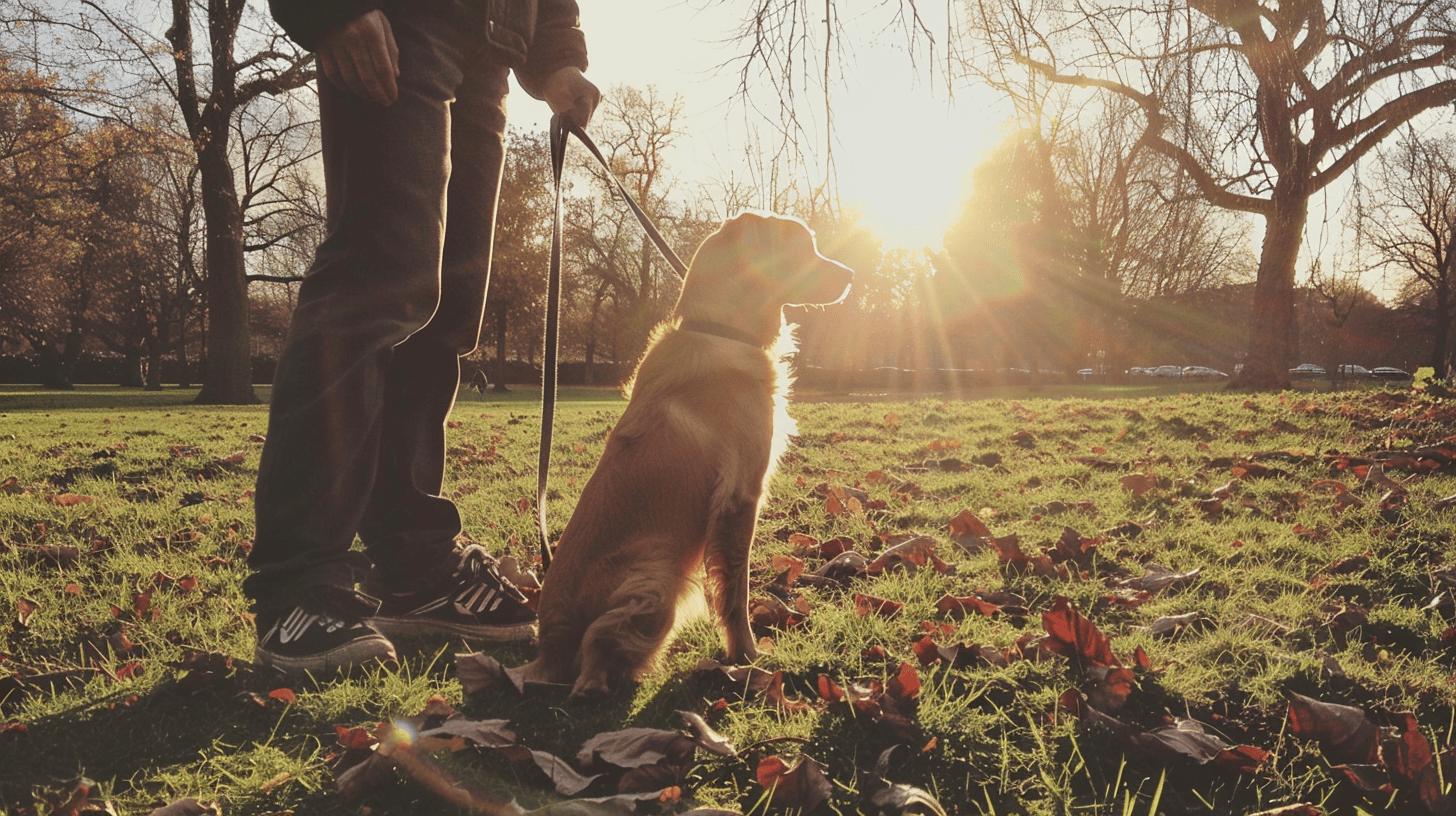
(412, 112)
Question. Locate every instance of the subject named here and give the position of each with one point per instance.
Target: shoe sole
(353, 653)
(413, 627)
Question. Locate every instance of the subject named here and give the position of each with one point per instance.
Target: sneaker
(474, 602)
(320, 635)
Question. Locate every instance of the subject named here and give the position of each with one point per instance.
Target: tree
(1260, 105)
(1410, 226)
(196, 63)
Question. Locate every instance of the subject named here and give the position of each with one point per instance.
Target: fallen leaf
(635, 748)
(187, 807)
(870, 605)
(479, 672)
(706, 737)
(1075, 637)
(1138, 483)
(24, 609)
(283, 695)
(1345, 733)
(802, 785)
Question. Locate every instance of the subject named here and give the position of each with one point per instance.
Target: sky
(904, 149)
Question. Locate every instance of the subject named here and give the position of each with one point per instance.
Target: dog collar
(719, 330)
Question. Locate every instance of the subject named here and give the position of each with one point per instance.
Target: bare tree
(1260, 105)
(214, 60)
(1410, 226)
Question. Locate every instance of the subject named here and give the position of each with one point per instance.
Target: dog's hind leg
(730, 536)
(622, 642)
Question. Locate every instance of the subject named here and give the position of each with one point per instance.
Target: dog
(679, 485)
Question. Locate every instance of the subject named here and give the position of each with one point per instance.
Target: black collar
(719, 330)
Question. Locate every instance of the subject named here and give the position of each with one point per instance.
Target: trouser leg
(375, 281)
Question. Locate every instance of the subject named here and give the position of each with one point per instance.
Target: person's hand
(572, 95)
(361, 55)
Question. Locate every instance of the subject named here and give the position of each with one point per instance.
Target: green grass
(149, 737)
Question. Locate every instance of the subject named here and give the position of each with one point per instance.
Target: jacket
(534, 37)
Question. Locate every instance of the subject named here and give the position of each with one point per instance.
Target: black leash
(560, 131)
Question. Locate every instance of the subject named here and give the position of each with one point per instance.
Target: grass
(169, 488)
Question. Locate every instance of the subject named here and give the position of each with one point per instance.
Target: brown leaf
(910, 555)
(967, 525)
(1138, 483)
(24, 609)
(789, 569)
(187, 807)
(1345, 733)
(802, 785)
(70, 500)
(706, 737)
(480, 733)
(1159, 578)
(1111, 687)
(635, 748)
(479, 672)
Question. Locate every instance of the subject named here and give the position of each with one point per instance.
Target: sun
(904, 153)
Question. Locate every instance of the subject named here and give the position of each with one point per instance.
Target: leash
(561, 130)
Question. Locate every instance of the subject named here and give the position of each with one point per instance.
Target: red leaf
(957, 606)
(1411, 762)
(283, 695)
(1073, 636)
(802, 785)
(905, 685)
(967, 525)
(865, 605)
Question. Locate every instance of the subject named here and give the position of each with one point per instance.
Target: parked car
(1084, 373)
(1168, 371)
(1203, 373)
(1138, 371)
(1352, 370)
(1389, 373)
(1307, 370)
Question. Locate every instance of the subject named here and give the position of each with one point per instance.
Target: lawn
(1110, 605)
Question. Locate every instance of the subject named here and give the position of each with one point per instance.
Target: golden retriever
(684, 471)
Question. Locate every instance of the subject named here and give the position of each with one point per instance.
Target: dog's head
(757, 262)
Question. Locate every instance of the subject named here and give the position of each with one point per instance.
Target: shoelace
(477, 565)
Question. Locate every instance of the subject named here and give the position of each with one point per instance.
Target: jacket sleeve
(558, 43)
(307, 21)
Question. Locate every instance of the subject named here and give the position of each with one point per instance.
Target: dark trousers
(396, 294)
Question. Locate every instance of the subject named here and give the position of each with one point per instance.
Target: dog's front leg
(730, 536)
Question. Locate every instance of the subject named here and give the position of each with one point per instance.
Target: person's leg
(374, 282)
(409, 527)
(426, 585)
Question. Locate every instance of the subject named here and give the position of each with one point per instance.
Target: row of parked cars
(1347, 370)
(1351, 371)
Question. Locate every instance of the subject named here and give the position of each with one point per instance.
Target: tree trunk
(131, 368)
(52, 372)
(1271, 325)
(155, 344)
(184, 376)
(1441, 337)
(228, 379)
(500, 349)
